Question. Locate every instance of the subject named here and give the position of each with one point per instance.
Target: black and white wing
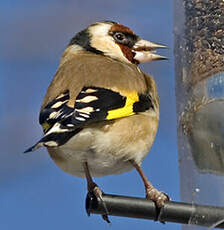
(93, 104)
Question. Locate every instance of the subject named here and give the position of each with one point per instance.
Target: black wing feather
(61, 122)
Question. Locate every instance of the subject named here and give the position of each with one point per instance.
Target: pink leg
(151, 192)
(93, 188)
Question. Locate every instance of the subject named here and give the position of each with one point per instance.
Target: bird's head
(116, 41)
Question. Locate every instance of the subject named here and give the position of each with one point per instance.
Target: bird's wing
(93, 104)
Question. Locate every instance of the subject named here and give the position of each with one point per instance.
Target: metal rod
(177, 212)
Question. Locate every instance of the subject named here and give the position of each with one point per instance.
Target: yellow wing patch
(125, 111)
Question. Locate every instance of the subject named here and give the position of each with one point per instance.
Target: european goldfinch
(100, 113)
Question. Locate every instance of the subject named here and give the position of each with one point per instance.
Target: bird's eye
(119, 37)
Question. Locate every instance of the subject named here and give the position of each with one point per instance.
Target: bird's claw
(93, 195)
(159, 198)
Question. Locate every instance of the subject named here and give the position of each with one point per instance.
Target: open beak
(145, 51)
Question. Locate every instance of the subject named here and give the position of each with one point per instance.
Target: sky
(34, 192)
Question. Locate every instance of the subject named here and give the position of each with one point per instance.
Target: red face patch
(127, 52)
(121, 28)
(124, 48)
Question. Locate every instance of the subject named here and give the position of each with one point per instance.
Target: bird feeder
(199, 66)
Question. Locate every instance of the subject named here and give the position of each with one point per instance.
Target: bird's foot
(96, 193)
(159, 199)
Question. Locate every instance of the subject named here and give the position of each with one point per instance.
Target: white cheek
(107, 45)
(102, 41)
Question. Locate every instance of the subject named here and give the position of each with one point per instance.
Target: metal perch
(142, 208)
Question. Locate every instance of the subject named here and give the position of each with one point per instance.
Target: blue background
(34, 192)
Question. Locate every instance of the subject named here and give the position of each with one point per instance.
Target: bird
(100, 114)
